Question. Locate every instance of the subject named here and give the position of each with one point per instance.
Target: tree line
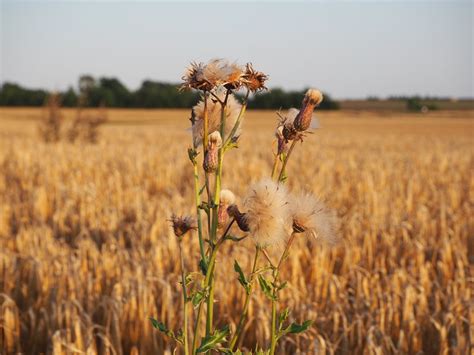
(151, 94)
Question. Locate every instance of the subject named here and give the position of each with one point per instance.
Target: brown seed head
(254, 80)
(211, 158)
(182, 224)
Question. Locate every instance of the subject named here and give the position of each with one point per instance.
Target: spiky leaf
(266, 288)
(242, 279)
(214, 340)
(161, 327)
(295, 328)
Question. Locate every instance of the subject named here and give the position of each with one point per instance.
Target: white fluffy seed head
(314, 96)
(215, 139)
(227, 197)
(267, 213)
(312, 218)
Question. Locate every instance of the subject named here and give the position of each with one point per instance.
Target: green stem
(243, 316)
(209, 281)
(276, 274)
(282, 171)
(274, 335)
(198, 210)
(185, 301)
(275, 165)
(196, 328)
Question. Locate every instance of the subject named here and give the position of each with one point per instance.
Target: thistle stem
(276, 273)
(198, 210)
(185, 301)
(282, 171)
(243, 316)
(196, 328)
(275, 165)
(274, 335)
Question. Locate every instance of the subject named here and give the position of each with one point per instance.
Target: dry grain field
(87, 253)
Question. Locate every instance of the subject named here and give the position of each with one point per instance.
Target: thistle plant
(270, 216)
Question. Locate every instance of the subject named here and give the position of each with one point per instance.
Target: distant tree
(69, 98)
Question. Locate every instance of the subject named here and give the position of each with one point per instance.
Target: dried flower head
(234, 76)
(182, 224)
(311, 99)
(312, 218)
(254, 80)
(210, 161)
(267, 213)
(214, 117)
(194, 78)
(227, 198)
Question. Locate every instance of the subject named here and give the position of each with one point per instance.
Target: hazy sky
(348, 49)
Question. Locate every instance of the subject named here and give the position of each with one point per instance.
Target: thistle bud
(227, 198)
(239, 217)
(312, 99)
(181, 225)
(211, 160)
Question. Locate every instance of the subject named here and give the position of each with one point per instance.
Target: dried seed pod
(211, 159)
(227, 199)
(182, 224)
(312, 98)
(239, 217)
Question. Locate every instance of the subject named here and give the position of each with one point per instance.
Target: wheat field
(87, 254)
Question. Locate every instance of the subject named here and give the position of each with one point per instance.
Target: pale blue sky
(349, 49)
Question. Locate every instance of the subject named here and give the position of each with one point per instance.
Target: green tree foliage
(14, 95)
(278, 98)
(111, 92)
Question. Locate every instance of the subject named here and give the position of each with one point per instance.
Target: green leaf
(243, 281)
(192, 154)
(198, 297)
(161, 327)
(283, 317)
(202, 189)
(295, 328)
(282, 286)
(266, 288)
(214, 340)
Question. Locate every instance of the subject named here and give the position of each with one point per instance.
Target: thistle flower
(254, 80)
(267, 213)
(227, 198)
(312, 218)
(232, 111)
(311, 99)
(194, 78)
(234, 76)
(182, 224)
(210, 162)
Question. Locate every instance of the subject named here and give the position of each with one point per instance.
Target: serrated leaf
(161, 327)
(283, 317)
(243, 281)
(266, 288)
(198, 297)
(180, 336)
(295, 328)
(192, 154)
(214, 340)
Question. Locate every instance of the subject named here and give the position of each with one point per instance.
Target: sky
(349, 49)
